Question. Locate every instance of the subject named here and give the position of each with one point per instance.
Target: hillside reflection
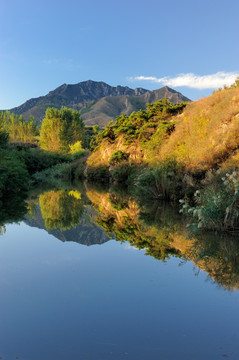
(92, 216)
(161, 231)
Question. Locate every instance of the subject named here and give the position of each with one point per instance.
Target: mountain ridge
(85, 233)
(97, 101)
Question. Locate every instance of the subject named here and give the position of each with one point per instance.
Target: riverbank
(187, 152)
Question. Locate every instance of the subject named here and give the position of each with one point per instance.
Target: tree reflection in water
(155, 227)
(61, 209)
(12, 209)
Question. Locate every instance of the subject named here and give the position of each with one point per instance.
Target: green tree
(3, 139)
(14, 177)
(18, 128)
(60, 129)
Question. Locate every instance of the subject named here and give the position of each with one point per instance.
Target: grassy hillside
(206, 134)
(176, 152)
(139, 135)
(203, 136)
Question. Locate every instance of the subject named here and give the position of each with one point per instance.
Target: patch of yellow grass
(102, 155)
(206, 136)
(208, 132)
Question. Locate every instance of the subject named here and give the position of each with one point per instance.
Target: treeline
(17, 128)
(26, 150)
(60, 130)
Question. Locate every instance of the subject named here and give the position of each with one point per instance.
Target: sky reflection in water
(65, 300)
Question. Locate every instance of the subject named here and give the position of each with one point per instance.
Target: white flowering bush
(217, 206)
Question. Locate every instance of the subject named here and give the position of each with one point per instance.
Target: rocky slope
(97, 101)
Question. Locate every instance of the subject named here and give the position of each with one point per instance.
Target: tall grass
(164, 181)
(216, 206)
(206, 134)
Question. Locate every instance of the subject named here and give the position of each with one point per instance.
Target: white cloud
(127, 246)
(191, 80)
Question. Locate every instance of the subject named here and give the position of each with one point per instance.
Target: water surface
(75, 283)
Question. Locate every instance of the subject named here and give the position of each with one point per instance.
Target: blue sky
(191, 46)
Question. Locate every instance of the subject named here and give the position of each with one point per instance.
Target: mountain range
(85, 233)
(98, 102)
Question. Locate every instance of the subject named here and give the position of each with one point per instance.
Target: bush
(38, 160)
(59, 171)
(161, 182)
(4, 137)
(125, 173)
(14, 177)
(118, 156)
(217, 206)
(99, 174)
(139, 125)
(76, 148)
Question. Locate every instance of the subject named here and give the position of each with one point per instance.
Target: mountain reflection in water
(94, 216)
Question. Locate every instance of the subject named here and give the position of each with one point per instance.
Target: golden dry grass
(207, 134)
(106, 149)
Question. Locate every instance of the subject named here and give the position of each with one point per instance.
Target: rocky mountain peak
(83, 95)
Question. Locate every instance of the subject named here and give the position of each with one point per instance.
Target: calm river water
(92, 275)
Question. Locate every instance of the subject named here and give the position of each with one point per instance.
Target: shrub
(217, 206)
(4, 137)
(99, 174)
(80, 166)
(118, 156)
(59, 171)
(14, 177)
(139, 125)
(76, 148)
(121, 173)
(125, 173)
(164, 181)
(37, 160)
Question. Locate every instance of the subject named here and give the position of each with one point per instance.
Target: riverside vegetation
(187, 152)
(25, 158)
